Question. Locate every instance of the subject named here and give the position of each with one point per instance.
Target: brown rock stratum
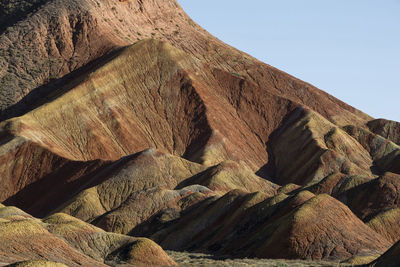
(60, 238)
(131, 118)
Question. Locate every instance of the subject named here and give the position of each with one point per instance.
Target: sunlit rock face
(126, 118)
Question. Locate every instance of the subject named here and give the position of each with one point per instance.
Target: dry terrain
(126, 130)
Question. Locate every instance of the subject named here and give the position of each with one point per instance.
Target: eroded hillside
(133, 119)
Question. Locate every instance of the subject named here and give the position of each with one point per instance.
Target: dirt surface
(186, 259)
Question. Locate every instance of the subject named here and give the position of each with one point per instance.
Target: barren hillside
(131, 118)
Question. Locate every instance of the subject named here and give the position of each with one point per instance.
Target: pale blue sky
(349, 48)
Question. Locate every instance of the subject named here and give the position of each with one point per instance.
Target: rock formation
(386, 223)
(126, 119)
(67, 240)
(370, 198)
(303, 226)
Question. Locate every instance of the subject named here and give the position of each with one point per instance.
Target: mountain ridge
(129, 116)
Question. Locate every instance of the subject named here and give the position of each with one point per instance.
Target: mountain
(64, 239)
(131, 118)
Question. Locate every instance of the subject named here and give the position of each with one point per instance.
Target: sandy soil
(186, 259)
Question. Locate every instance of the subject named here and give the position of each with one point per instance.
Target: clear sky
(348, 48)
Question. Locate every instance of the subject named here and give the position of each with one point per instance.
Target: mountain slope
(124, 107)
(67, 240)
(130, 116)
(62, 36)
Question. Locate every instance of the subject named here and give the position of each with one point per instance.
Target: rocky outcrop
(303, 226)
(72, 33)
(161, 94)
(206, 225)
(53, 38)
(314, 226)
(387, 129)
(61, 239)
(108, 247)
(308, 148)
(139, 188)
(369, 199)
(152, 183)
(38, 180)
(141, 206)
(112, 113)
(105, 132)
(336, 183)
(25, 238)
(385, 153)
(229, 175)
(386, 223)
(129, 116)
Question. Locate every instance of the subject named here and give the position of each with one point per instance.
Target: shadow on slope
(55, 88)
